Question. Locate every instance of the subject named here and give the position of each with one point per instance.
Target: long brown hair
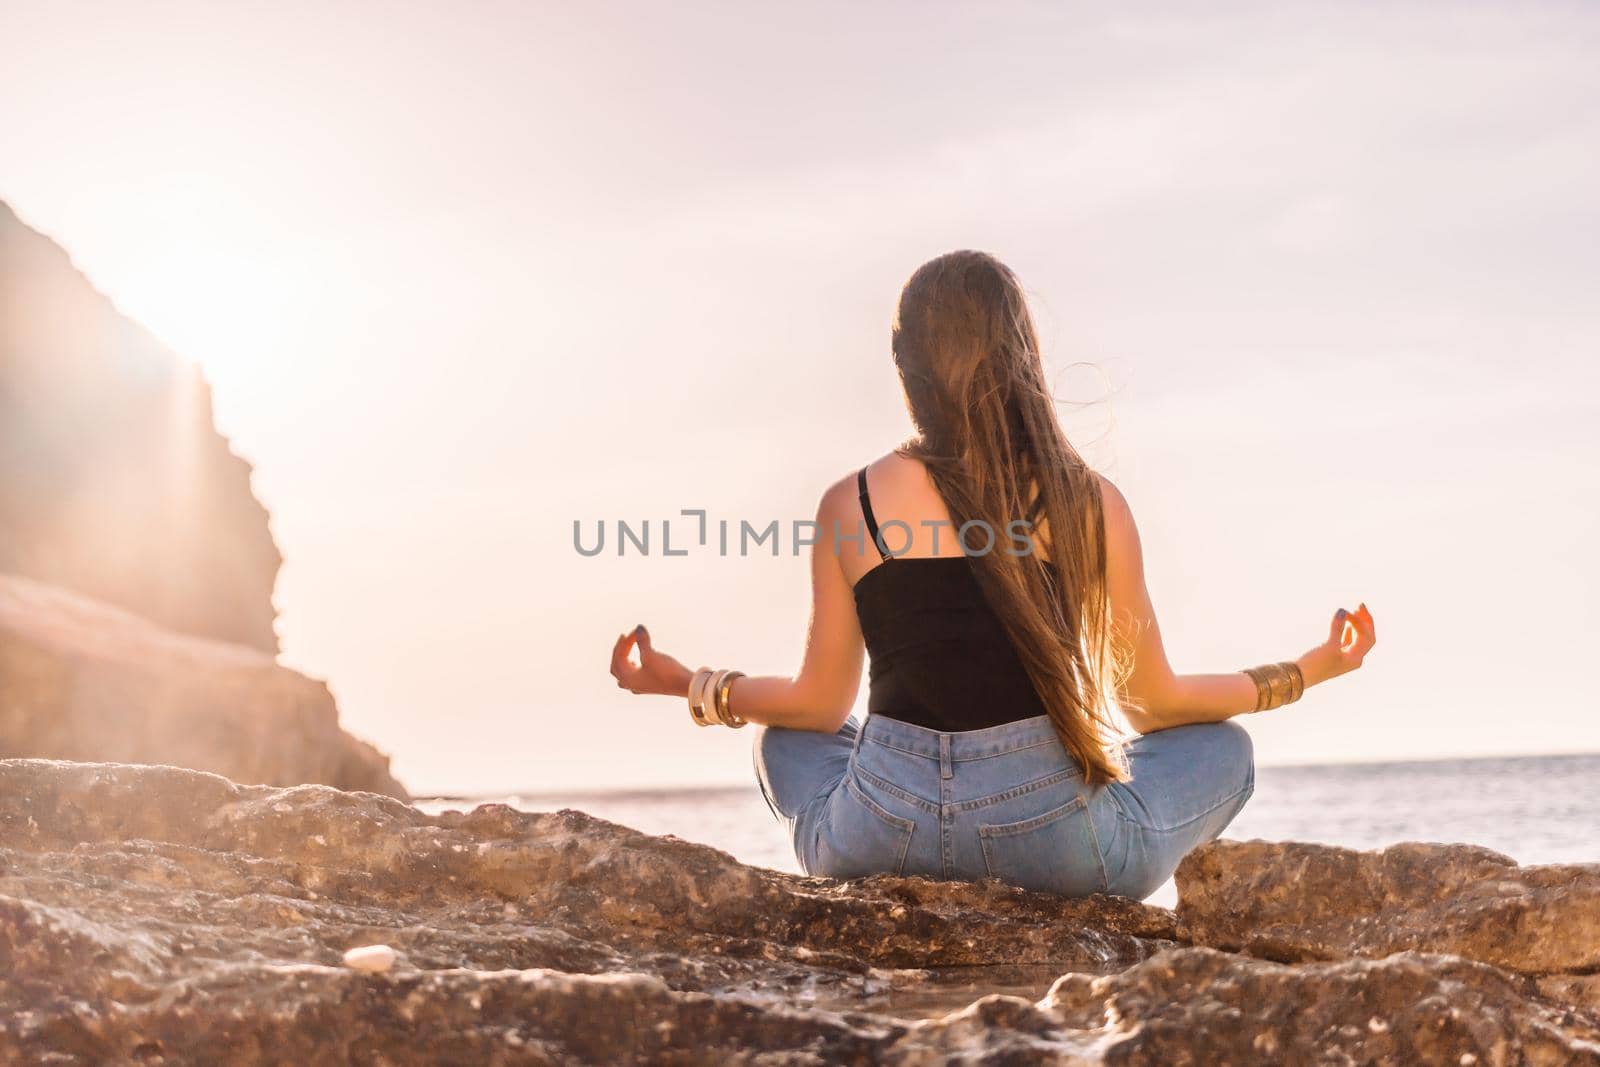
(968, 357)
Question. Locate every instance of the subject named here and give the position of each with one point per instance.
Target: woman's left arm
(821, 695)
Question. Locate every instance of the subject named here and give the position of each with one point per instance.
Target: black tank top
(940, 657)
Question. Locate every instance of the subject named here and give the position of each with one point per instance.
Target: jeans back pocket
(857, 836)
(1053, 852)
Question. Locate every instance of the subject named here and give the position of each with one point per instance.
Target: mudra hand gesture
(656, 672)
(1351, 636)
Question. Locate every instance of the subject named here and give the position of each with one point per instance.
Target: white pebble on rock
(371, 959)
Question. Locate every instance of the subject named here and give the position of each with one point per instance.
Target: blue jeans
(1006, 802)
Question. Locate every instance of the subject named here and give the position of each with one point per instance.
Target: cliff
(136, 566)
(113, 480)
(80, 680)
(159, 915)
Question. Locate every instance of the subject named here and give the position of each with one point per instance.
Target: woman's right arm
(1155, 698)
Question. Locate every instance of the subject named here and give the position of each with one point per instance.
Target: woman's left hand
(656, 672)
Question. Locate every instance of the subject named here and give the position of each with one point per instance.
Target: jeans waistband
(962, 745)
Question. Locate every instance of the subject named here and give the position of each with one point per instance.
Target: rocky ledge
(114, 480)
(150, 914)
(82, 680)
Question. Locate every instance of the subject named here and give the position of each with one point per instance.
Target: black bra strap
(866, 513)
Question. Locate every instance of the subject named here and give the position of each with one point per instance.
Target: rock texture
(149, 914)
(83, 681)
(113, 480)
(1200, 1006)
(1292, 901)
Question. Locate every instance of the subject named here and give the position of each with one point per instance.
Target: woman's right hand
(656, 672)
(1351, 636)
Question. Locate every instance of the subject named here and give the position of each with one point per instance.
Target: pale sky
(460, 274)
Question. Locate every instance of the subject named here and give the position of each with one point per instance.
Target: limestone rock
(370, 959)
(1293, 901)
(151, 914)
(1201, 1006)
(113, 480)
(83, 681)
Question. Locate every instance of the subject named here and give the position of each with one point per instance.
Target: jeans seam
(906, 827)
(907, 751)
(934, 756)
(1005, 752)
(896, 791)
(761, 780)
(1023, 826)
(1023, 790)
(1243, 791)
(905, 850)
(1099, 856)
(988, 861)
(1038, 822)
(879, 810)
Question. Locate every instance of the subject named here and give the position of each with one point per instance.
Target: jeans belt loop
(855, 746)
(945, 770)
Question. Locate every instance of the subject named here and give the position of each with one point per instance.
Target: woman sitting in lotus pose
(997, 583)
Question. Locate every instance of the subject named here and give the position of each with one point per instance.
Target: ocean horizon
(1535, 809)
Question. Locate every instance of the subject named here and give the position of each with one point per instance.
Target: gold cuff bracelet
(1277, 684)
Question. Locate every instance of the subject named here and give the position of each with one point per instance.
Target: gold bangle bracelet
(1256, 675)
(724, 692)
(713, 685)
(708, 698)
(697, 696)
(1277, 684)
(1297, 681)
(714, 698)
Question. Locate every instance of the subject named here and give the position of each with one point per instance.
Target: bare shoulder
(1122, 533)
(1112, 500)
(839, 518)
(889, 474)
(897, 472)
(838, 500)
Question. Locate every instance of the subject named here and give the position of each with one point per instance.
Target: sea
(1535, 809)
